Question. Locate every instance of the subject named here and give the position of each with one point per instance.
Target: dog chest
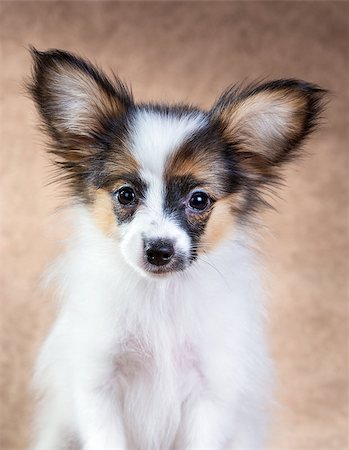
(154, 384)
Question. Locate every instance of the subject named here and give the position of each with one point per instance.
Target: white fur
(139, 363)
(156, 135)
(152, 362)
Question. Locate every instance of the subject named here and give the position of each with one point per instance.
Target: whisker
(211, 264)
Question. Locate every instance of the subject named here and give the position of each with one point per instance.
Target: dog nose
(160, 252)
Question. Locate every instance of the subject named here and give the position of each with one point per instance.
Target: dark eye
(126, 195)
(199, 201)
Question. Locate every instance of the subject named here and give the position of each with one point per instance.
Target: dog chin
(147, 270)
(156, 272)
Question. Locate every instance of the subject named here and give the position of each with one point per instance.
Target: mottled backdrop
(190, 52)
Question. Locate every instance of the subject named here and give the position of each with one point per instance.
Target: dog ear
(77, 102)
(266, 123)
(73, 96)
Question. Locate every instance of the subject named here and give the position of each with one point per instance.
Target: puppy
(159, 342)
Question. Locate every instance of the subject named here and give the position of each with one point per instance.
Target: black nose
(159, 252)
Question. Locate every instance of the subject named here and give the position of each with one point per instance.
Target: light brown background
(190, 52)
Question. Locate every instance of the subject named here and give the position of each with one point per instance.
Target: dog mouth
(178, 263)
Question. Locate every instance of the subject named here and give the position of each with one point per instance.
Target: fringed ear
(73, 96)
(266, 123)
(78, 105)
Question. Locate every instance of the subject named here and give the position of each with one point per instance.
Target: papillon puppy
(159, 343)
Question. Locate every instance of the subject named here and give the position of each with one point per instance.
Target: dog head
(167, 182)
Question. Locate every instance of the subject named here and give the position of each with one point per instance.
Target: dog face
(167, 182)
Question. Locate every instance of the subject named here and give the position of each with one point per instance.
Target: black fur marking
(125, 213)
(178, 110)
(177, 191)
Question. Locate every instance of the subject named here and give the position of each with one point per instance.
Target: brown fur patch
(120, 165)
(222, 220)
(201, 160)
(194, 165)
(102, 211)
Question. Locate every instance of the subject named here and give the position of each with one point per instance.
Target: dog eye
(199, 201)
(126, 195)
